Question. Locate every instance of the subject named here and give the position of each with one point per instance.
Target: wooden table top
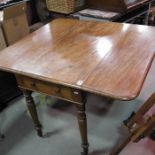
(109, 59)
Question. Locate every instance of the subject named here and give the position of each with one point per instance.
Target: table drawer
(59, 91)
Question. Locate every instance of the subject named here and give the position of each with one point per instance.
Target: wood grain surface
(109, 59)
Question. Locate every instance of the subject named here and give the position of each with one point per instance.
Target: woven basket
(64, 6)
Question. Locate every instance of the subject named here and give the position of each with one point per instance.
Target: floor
(61, 135)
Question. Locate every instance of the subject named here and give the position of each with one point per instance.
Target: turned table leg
(32, 110)
(82, 120)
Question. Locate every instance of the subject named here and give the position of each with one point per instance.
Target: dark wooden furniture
(81, 57)
(139, 124)
(130, 10)
(10, 3)
(122, 6)
(8, 89)
(136, 16)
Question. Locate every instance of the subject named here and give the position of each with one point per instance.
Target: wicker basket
(64, 6)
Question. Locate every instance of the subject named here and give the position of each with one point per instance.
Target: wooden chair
(139, 124)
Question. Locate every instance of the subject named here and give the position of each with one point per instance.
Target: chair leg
(33, 112)
(140, 131)
(142, 111)
(144, 130)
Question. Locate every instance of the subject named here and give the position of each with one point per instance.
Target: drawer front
(59, 91)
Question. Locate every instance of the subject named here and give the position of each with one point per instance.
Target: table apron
(59, 91)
